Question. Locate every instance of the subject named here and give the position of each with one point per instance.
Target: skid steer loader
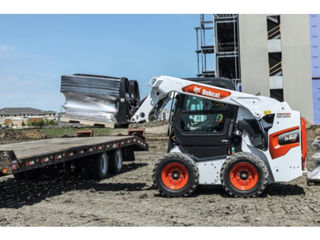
(219, 136)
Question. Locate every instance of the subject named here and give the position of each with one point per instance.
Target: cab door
(201, 126)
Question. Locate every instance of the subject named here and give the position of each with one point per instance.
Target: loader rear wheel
(176, 175)
(244, 175)
(116, 160)
(99, 166)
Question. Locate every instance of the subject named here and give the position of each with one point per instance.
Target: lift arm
(163, 88)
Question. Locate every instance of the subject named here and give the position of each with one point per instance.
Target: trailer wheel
(116, 160)
(100, 166)
(176, 175)
(34, 174)
(19, 176)
(244, 175)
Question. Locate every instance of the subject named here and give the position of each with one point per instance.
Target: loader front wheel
(176, 175)
(244, 175)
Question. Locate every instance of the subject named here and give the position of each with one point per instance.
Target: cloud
(6, 52)
(14, 82)
(5, 48)
(30, 91)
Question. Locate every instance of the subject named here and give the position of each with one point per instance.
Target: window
(202, 116)
(202, 123)
(277, 94)
(273, 27)
(200, 104)
(226, 35)
(275, 64)
(228, 66)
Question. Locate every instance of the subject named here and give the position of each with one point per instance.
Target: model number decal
(289, 137)
(283, 115)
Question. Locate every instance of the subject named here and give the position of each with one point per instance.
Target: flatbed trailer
(17, 158)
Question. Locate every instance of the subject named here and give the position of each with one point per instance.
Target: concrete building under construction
(274, 55)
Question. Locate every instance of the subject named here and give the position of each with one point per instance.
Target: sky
(35, 50)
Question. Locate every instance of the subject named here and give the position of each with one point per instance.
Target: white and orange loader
(220, 136)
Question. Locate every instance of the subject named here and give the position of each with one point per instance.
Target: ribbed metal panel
(104, 87)
(91, 97)
(97, 98)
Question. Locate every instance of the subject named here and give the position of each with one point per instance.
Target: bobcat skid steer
(219, 136)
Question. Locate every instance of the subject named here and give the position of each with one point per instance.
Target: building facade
(273, 55)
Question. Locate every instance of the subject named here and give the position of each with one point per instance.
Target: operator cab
(201, 127)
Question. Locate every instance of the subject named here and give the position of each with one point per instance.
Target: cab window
(202, 116)
(202, 123)
(192, 103)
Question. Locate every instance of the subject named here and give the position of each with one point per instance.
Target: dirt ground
(8, 136)
(128, 199)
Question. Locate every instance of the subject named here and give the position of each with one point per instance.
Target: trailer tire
(244, 175)
(176, 175)
(100, 166)
(19, 176)
(129, 154)
(34, 174)
(116, 161)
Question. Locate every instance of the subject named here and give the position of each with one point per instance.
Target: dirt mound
(33, 134)
(9, 135)
(148, 124)
(313, 131)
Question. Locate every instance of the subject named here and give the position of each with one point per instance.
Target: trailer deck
(18, 157)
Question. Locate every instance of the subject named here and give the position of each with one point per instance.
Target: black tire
(99, 166)
(19, 176)
(253, 177)
(87, 165)
(128, 154)
(184, 163)
(34, 174)
(116, 161)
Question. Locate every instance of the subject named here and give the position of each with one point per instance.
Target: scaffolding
(205, 47)
(227, 46)
(220, 56)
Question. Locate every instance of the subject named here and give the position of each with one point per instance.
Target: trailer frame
(11, 164)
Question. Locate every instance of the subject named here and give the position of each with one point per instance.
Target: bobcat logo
(196, 90)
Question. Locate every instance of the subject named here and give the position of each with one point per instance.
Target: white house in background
(17, 117)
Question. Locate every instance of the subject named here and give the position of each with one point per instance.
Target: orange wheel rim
(244, 176)
(174, 175)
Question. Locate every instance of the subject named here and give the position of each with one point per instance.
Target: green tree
(41, 123)
(50, 122)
